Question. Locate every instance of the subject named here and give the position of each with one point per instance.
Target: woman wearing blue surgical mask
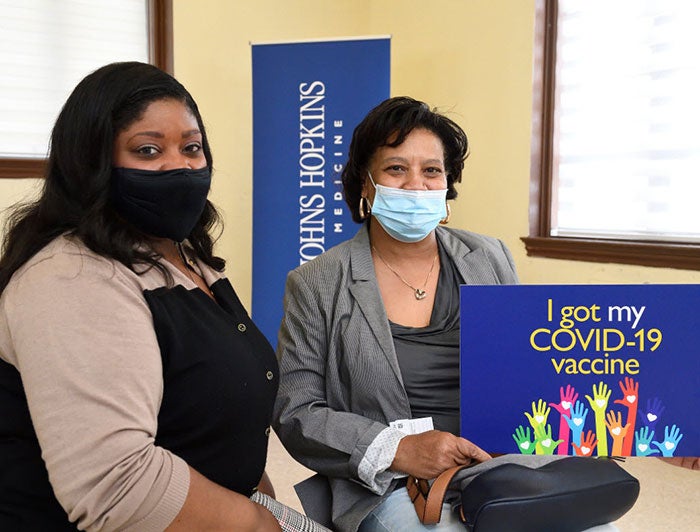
(135, 391)
(369, 343)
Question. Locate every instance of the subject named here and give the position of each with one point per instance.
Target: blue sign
(602, 370)
(307, 99)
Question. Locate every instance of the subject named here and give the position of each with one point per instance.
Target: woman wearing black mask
(135, 391)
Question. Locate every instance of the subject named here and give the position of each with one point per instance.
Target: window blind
(46, 48)
(627, 148)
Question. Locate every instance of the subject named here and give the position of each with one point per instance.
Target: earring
(363, 208)
(446, 218)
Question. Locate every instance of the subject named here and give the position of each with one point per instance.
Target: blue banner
(602, 370)
(307, 99)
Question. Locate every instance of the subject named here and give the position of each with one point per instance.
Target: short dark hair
(75, 195)
(394, 119)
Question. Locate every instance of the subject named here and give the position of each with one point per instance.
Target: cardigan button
(267, 431)
(242, 327)
(269, 375)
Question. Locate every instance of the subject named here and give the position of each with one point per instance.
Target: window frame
(160, 52)
(540, 243)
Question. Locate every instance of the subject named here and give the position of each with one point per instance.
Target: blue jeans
(396, 514)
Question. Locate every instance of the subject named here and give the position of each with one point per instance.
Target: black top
(429, 356)
(220, 380)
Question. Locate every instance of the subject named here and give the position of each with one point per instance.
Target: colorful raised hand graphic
(630, 399)
(577, 421)
(544, 444)
(599, 403)
(617, 431)
(611, 437)
(643, 439)
(539, 414)
(650, 416)
(566, 401)
(671, 438)
(522, 438)
(587, 445)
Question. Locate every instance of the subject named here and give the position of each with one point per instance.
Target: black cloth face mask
(165, 204)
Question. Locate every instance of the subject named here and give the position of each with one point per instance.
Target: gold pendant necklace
(419, 293)
(189, 267)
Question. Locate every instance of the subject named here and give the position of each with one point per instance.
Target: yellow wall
(470, 58)
(14, 191)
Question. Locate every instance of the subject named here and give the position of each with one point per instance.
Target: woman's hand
(209, 506)
(265, 485)
(691, 462)
(428, 454)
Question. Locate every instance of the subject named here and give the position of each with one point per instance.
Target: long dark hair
(75, 195)
(394, 119)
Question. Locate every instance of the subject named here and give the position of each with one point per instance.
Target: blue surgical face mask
(408, 215)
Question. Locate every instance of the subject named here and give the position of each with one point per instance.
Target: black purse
(565, 495)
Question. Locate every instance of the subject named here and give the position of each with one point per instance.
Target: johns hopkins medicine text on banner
(307, 99)
(601, 370)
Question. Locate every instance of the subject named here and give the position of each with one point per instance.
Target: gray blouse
(429, 356)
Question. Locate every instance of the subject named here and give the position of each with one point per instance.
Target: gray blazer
(340, 383)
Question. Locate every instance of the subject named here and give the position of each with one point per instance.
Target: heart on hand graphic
(652, 417)
(539, 419)
(631, 398)
(669, 445)
(616, 431)
(600, 402)
(525, 445)
(566, 405)
(585, 450)
(578, 421)
(546, 443)
(642, 447)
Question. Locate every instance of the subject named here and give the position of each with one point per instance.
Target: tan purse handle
(427, 500)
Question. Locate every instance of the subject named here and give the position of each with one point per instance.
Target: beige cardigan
(79, 331)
